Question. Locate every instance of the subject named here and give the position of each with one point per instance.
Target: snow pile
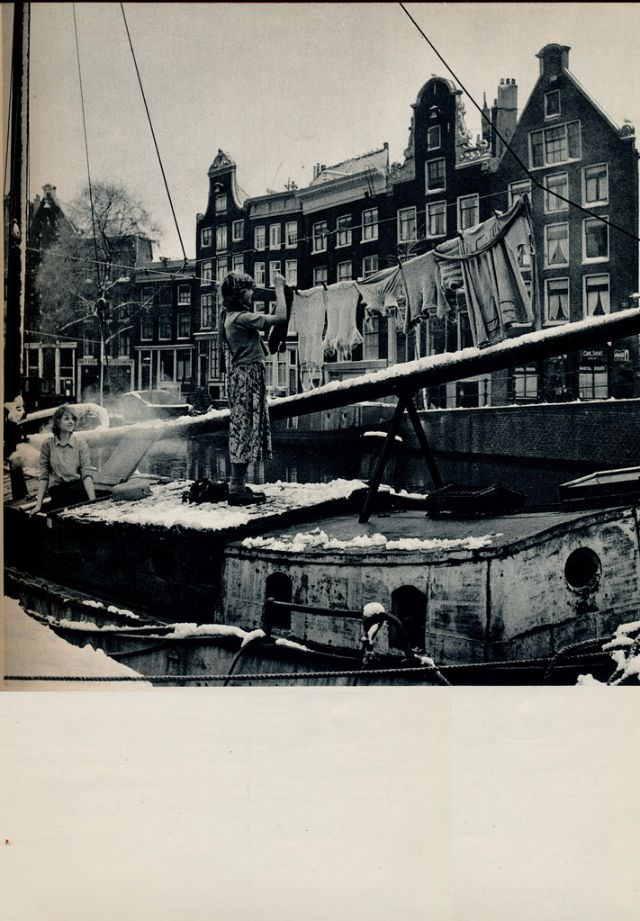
(316, 539)
(184, 631)
(165, 508)
(624, 649)
(33, 649)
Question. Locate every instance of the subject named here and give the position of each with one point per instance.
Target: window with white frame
(221, 238)
(274, 267)
(556, 183)
(556, 246)
(595, 240)
(222, 269)
(369, 225)
(593, 382)
(595, 184)
(205, 236)
(468, 211)
(320, 237)
(237, 231)
(259, 237)
(407, 225)
(184, 326)
(183, 365)
(345, 271)
(164, 328)
(259, 274)
(291, 272)
(320, 275)
(343, 230)
(435, 175)
(369, 265)
(437, 219)
(237, 263)
(206, 311)
(556, 300)
(206, 272)
(291, 234)
(518, 189)
(597, 301)
(555, 145)
(146, 328)
(274, 236)
(221, 203)
(434, 137)
(525, 384)
(184, 295)
(552, 104)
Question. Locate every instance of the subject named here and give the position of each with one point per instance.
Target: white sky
(283, 86)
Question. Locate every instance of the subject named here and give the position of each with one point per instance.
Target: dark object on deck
(206, 490)
(473, 502)
(605, 487)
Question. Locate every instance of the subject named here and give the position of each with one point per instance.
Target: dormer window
(552, 104)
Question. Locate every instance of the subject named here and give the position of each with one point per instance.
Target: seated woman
(64, 464)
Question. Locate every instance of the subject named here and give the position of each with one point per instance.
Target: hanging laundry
(489, 255)
(423, 288)
(308, 315)
(342, 333)
(381, 290)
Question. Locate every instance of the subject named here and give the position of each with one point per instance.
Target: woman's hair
(232, 287)
(57, 416)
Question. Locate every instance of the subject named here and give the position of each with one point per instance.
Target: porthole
(582, 569)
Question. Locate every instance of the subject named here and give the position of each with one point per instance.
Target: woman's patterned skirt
(249, 429)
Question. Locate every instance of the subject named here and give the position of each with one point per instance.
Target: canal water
(322, 456)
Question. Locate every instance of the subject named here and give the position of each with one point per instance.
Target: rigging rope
(86, 147)
(144, 99)
(508, 147)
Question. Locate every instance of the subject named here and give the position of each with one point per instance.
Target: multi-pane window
(184, 295)
(237, 262)
(595, 185)
(369, 225)
(320, 275)
(259, 237)
(406, 225)
(468, 211)
(319, 237)
(147, 295)
(274, 236)
(556, 245)
(146, 328)
(183, 365)
(343, 228)
(206, 311)
(595, 240)
(164, 328)
(184, 326)
(221, 203)
(437, 219)
(345, 271)
(555, 145)
(552, 104)
(525, 384)
(291, 234)
(593, 382)
(222, 269)
(237, 231)
(557, 300)
(221, 238)
(291, 272)
(435, 180)
(369, 265)
(597, 300)
(274, 267)
(557, 182)
(259, 274)
(433, 137)
(518, 189)
(205, 236)
(206, 272)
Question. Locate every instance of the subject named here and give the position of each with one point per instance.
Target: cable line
(144, 99)
(508, 147)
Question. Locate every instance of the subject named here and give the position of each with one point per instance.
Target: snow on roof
(374, 159)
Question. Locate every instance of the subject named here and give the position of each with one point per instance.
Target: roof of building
(374, 159)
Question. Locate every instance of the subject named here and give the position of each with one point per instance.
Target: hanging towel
(308, 315)
(342, 333)
(381, 290)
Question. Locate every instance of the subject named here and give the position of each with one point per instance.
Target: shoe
(247, 497)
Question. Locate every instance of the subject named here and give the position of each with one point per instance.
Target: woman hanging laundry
(249, 429)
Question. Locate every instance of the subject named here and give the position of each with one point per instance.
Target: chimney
(486, 127)
(553, 59)
(505, 113)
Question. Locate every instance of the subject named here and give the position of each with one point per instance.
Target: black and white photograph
(321, 460)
